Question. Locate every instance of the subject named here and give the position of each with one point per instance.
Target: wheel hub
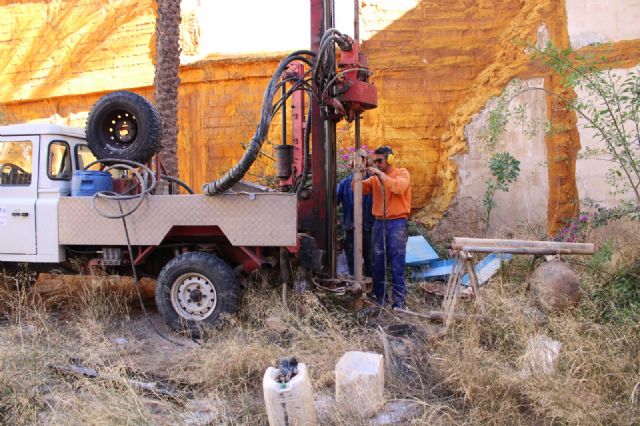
(121, 127)
(193, 297)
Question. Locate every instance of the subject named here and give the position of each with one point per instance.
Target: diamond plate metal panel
(246, 219)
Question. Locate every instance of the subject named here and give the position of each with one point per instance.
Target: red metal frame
(143, 254)
(250, 258)
(296, 69)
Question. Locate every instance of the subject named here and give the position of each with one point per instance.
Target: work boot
(399, 304)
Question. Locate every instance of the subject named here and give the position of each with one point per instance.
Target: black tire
(124, 125)
(193, 276)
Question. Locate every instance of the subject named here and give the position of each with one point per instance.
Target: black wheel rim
(119, 129)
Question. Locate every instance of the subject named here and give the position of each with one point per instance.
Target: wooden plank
(519, 250)
(586, 248)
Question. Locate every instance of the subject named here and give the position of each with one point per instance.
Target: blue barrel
(87, 182)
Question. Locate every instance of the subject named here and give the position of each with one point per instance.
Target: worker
(345, 197)
(391, 208)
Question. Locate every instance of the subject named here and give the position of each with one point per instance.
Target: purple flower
(352, 149)
(345, 157)
(584, 218)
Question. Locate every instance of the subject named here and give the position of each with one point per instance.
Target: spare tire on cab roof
(125, 126)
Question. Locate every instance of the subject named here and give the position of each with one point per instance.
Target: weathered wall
(615, 22)
(592, 172)
(436, 66)
(58, 48)
(523, 138)
(598, 21)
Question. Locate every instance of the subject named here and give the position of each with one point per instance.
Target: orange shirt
(397, 193)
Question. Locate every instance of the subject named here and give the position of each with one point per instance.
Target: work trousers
(396, 238)
(366, 250)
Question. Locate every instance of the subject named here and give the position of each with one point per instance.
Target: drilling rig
(195, 244)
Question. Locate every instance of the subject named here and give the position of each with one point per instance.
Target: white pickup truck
(192, 243)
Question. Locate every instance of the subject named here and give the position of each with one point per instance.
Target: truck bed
(260, 219)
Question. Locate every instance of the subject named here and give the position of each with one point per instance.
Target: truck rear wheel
(195, 289)
(124, 125)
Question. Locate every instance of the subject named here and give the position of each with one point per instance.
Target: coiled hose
(144, 175)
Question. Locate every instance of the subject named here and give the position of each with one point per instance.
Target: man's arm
(400, 183)
(366, 186)
(397, 185)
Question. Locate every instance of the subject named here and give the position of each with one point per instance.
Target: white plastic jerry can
(291, 403)
(360, 383)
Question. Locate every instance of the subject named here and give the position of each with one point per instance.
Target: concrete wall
(600, 21)
(526, 200)
(592, 171)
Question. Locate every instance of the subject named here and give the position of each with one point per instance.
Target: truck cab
(37, 162)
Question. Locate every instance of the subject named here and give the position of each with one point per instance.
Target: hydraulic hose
(238, 171)
(177, 182)
(305, 160)
(319, 76)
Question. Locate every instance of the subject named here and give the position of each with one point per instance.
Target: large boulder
(555, 286)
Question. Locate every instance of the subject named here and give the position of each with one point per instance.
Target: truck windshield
(15, 163)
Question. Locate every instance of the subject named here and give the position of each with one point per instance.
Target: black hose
(305, 161)
(238, 171)
(268, 110)
(178, 182)
(136, 280)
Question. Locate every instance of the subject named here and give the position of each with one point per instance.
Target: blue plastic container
(85, 183)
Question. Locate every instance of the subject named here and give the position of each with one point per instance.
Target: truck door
(18, 193)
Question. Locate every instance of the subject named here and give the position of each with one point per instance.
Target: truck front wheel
(195, 289)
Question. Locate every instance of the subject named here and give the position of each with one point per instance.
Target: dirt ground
(478, 373)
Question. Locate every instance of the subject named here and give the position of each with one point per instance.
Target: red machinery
(341, 90)
(196, 245)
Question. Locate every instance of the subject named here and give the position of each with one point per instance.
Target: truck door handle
(18, 214)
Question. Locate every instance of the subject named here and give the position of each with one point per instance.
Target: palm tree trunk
(166, 80)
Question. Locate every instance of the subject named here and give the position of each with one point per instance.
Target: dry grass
(472, 376)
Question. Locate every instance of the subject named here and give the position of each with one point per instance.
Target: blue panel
(437, 270)
(419, 252)
(441, 269)
(487, 268)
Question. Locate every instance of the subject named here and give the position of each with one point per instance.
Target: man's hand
(375, 171)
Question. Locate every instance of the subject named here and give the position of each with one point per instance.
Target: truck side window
(16, 163)
(59, 161)
(84, 156)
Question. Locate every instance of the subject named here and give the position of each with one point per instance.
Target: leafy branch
(505, 170)
(609, 104)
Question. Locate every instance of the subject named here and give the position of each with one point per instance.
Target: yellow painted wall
(436, 65)
(68, 47)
